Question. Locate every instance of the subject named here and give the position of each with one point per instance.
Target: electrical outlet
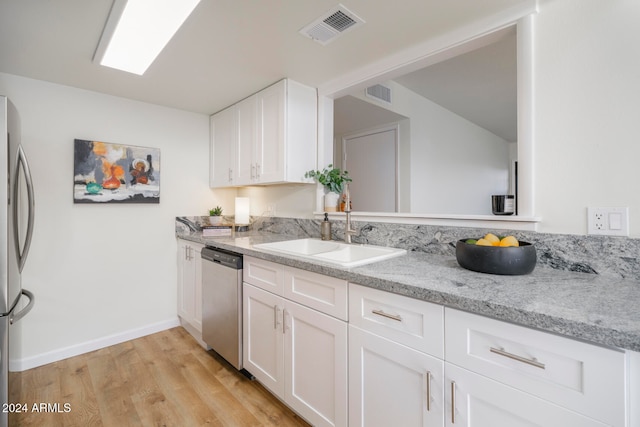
(608, 221)
(271, 209)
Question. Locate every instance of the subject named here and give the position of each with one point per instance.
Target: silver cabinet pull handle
(532, 362)
(276, 317)
(387, 315)
(428, 390)
(453, 402)
(284, 321)
(230, 174)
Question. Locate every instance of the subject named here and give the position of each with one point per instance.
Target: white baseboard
(96, 344)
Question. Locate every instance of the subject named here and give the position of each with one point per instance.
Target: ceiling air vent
(379, 93)
(332, 24)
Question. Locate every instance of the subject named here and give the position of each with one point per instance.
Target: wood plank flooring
(164, 379)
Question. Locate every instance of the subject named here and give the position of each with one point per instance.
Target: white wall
(100, 271)
(587, 86)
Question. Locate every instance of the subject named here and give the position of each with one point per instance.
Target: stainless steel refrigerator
(16, 230)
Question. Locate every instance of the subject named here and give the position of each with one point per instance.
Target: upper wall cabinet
(268, 138)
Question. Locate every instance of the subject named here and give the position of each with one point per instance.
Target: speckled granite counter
(590, 307)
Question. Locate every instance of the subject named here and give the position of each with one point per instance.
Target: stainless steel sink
(345, 255)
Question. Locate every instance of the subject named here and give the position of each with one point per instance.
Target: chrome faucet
(348, 231)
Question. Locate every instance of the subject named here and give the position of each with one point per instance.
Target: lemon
(509, 241)
(484, 242)
(492, 238)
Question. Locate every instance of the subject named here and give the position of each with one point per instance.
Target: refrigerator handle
(21, 160)
(19, 315)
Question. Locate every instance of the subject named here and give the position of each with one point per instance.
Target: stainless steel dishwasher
(222, 303)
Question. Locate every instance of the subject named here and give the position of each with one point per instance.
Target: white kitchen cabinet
(274, 137)
(246, 141)
(581, 377)
(396, 371)
(190, 288)
(408, 321)
(223, 148)
(263, 337)
(285, 124)
(297, 352)
(315, 361)
(474, 400)
(391, 384)
(414, 363)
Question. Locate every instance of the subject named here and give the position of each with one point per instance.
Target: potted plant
(215, 215)
(333, 180)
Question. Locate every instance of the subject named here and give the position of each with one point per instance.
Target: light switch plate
(608, 221)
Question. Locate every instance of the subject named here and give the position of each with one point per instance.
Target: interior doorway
(379, 148)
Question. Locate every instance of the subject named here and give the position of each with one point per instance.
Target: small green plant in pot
(215, 215)
(333, 180)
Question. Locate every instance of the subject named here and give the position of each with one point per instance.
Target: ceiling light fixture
(137, 31)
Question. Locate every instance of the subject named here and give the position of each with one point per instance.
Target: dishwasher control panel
(220, 256)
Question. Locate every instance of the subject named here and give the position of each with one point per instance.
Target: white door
(316, 365)
(197, 286)
(477, 401)
(223, 147)
(186, 280)
(263, 338)
(391, 384)
(244, 169)
(269, 155)
(379, 149)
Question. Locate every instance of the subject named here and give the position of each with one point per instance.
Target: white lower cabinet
(315, 360)
(396, 371)
(581, 377)
(263, 337)
(297, 352)
(190, 287)
(477, 401)
(407, 362)
(413, 363)
(391, 384)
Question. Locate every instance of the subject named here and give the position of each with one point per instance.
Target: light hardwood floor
(164, 379)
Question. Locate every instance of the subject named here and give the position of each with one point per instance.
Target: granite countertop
(583, 306)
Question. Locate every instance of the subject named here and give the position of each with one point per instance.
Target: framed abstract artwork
(111, 173)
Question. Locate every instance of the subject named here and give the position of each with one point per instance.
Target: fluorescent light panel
(138, 30)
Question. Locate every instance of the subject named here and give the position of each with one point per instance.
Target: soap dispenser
(325, 228)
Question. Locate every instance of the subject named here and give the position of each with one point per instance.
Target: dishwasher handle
(222, 257)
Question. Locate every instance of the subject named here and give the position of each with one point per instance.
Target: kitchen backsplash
(616, 257)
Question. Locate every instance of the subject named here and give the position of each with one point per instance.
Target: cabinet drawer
(585, 378)
(323, 293)
(414, 323)
(266, 275)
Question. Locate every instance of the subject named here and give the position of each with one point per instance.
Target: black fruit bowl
(513, 260)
